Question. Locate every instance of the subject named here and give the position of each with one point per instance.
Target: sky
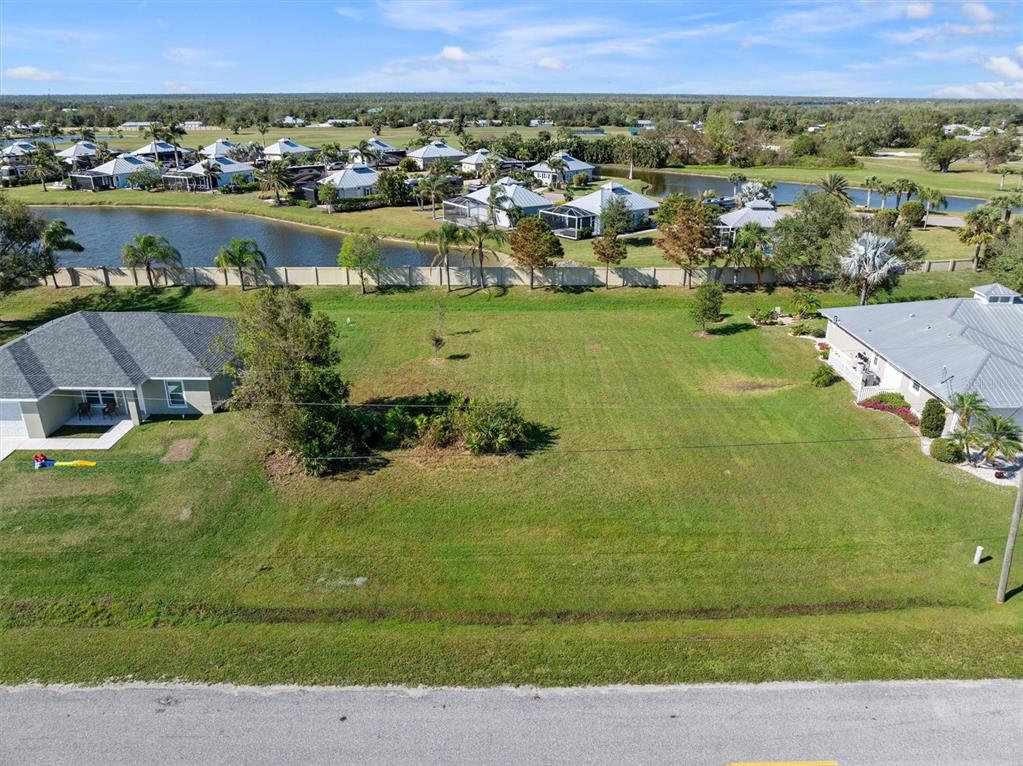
(875, 48)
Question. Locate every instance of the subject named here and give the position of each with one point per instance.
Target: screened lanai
(569, 222)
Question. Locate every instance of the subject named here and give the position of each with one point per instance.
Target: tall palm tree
(980, 227)
(87, 133)
(263, 127)
(240, 254)
(871, 183)
(967, 406)
(150, 250)
(932, 198)
(886, 190)
(274, 179)
(735, 179)
(173, 134)
(870, 262)
(835, 185)
(368, 153)
(750, 249)
(558, 167)
(45, 163)
(903, 186)
(477, 238)
(211, 172)
(57, 237)
(999, 435)
(443, 239)
(1002, 171)
(490, 170)
(434, 188)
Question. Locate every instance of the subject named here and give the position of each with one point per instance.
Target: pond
(667, 182)
(199, 235)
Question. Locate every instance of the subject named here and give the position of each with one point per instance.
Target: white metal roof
(481, 156)
(948, 346)
(218, 148)
(436, 150)
(285, 147)
(18, 149)
(513, 194)
(155, 147)
(352, 177)
(766, 216)
(382, 146)
(78, 149)
(226, 165)
(572, 165)
(123, 165)
(595, 202)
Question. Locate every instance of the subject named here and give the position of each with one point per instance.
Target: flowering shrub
(903, 412)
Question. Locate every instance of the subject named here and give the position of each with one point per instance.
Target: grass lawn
(942, 244)
(702, 514)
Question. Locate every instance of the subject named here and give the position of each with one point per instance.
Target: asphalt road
(905, 723)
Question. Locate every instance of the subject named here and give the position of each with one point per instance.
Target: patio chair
(110, 410)
(84, 409)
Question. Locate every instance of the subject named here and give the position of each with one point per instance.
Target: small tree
(912, 213)
(580, 179)
(609, 250)
(805, 304)
(932, 420)
(687, 234)
(393, 187)
(615, 216)
(870, 263)
(360, 251)
(328, 195)
(939, 153)
(534, 246)
(705, 307)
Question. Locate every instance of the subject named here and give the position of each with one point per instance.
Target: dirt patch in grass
(180, 451)
(756, 385)
(592, 349)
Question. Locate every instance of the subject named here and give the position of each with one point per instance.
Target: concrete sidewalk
(106, 441)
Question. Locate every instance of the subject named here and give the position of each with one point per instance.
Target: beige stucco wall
(197, 398)
(44, 417)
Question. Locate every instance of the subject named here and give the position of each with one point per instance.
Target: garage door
(11, 424)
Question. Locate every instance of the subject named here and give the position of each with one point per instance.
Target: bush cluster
(891, 398)
(762, 315)
(905, 412)
(803, 328)
(912, 213)
(946, 451)
(823, 376)
(932, 421)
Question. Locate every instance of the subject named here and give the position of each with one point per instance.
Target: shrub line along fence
(434, 276)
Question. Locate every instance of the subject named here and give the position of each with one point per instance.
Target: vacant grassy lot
(702, 513)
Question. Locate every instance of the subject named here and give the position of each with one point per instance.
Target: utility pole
(1017, 512)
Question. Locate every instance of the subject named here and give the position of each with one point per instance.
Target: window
(915, 386)
(99, 398)
(175, 393)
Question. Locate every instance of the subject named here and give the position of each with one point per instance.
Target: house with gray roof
(925, 349)
(573, 166)
(222, 147)
(114, 174)
(125, 366)
(353, 180)
(278, 150)
(208, 174)
(502, 203)
(759, 211)
(426, 155)
(79, 154)
(581, 216)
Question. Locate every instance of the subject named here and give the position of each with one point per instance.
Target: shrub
(823, 376)
(805, 304)
(580, 179)
(761, 316)
(905, 413)
(946, 451)
(932, 421)
(889, 398)
(803, 328)
(408, 165)
(886, 218)
(912, 213)
(492, 427)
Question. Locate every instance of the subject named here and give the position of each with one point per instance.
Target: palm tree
(477, 238)
(211, 172)
(871, 183)
(490, 170)
(443, 239)
(263, 127)
(1002, 171)
(44, 163)
(835, 185)
(1006, 202)
(558, 167)
(57, 237)
(735, 179)
(274, 179)
(173, 134)
(903, 186)
(750, 249)
(150, 250)
(240, 254)
(870, 262)
(967, 441)
(967, 406)
(434, 188)
(368, 153)
(931, 198)
(981, 225)
(88, 134)
(886, 190)
(999, 435)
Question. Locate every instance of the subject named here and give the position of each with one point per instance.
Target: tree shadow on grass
(571, 289)
(107, 299)
(458, 357)
(732, 329)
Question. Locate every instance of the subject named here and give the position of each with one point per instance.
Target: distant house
(583, 132)
(286, 148)
(292, 122)
(208, 174)
(502, 204)
(219, 148)
(936, 348)
(18, 150)
(379, 152)
(340, 123)
(425, 156)
(541, 123)
(193, 124)
(110, 175)
(160, 151)
(135, 125)
(107, 366)
(353, 181)
(757, 211)
(816, 128)
(79, 154)
(644, 123)
(474, 162)
(542, 171)
(581, 216)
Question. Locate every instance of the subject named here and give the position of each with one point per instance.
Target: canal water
(199, 235)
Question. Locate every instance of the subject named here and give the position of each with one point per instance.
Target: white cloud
(982, 90)
(1003, 66)
(920, 34)
(176, 87)
(978, 12)
(347, 12)
(551, 62)
(1019, 51)
(919, 10)
(31, 73)
(454, 53)
(184, 55)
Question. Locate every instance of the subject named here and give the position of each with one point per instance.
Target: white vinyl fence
(434, 276)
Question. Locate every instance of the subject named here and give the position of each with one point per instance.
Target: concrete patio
(118, 428)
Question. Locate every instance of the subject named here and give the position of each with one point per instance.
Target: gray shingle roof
(948, 346)
(113, 349)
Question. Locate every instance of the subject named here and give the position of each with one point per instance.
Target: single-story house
(113, 174)
(546, 176)
(474, 162)
(193, 124)
(504, 196)
(125, 365)
(353, 181)
(936, 348)
(79, 154)
(581, 216)
(292, 122)
(425, 156)
(208, 174)
(160, 151)
(18, 149)
(219, 148)
(286, 148)
(756, 211)
(134, 125)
